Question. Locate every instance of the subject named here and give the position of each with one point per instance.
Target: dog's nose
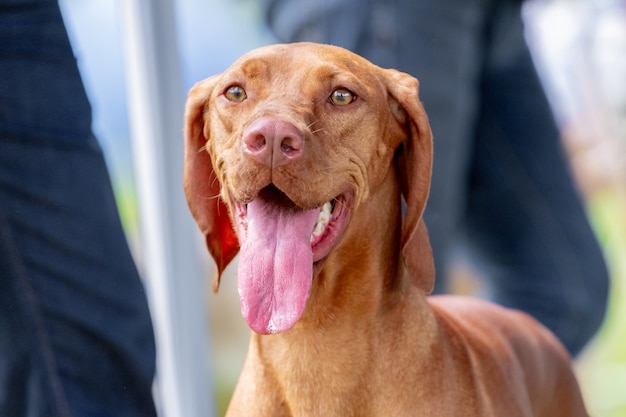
(273, 142)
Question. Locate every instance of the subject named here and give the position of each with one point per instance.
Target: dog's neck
(359, 294)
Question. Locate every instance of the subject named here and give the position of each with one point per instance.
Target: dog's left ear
(201, 185)
(414, 166)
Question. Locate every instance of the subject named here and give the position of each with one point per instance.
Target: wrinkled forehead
(303, 62)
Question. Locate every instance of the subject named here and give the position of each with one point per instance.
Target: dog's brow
(336, 76)
(328, 71)
(255, 68)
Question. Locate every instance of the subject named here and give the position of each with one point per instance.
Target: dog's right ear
(202, 187)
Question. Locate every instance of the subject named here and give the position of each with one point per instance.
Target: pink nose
(273, 142)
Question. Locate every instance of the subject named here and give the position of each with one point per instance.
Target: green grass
(127, 206)
(602, 368)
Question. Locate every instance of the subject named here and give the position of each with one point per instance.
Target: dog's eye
(341, 97)
(235, 93)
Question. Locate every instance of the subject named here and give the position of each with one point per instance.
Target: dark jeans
(75, 332)
(501, 184)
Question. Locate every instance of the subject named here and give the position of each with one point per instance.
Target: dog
(314, 164)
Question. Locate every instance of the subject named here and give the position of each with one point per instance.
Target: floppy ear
(414, 165)
(201, 185)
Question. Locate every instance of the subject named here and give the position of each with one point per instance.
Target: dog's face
(298, 137)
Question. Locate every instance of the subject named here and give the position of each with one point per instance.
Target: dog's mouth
(280, 242)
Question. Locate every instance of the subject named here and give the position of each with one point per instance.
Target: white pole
(174, 281)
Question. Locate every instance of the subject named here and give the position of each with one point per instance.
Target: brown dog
(308, 150)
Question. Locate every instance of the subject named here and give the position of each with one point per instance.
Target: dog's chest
(332, 368)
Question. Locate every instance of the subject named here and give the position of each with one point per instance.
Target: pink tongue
(275, 266)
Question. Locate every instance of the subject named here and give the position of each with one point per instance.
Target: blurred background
(580, 50)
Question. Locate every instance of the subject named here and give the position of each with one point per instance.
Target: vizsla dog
(301, 157)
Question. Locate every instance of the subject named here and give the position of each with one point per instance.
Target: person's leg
(29, 383)
(84, 287)
(77, 340)
(525, 218)
(440, 43)
(345, 23)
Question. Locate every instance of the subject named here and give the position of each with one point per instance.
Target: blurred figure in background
(75, 332)
(502, 188)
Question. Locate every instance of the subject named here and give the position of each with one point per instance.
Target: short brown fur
(370, 342)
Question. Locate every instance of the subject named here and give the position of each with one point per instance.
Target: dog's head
(282, 149)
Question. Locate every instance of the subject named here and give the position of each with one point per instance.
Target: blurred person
(501, 188)
(75, 332)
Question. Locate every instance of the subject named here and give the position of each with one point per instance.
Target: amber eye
(235, 93)
(341, 97)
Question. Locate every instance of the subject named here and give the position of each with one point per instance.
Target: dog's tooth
(327, 208)
(322, 220)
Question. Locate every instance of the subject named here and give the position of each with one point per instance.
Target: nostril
(291, 146)
(255, 142)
